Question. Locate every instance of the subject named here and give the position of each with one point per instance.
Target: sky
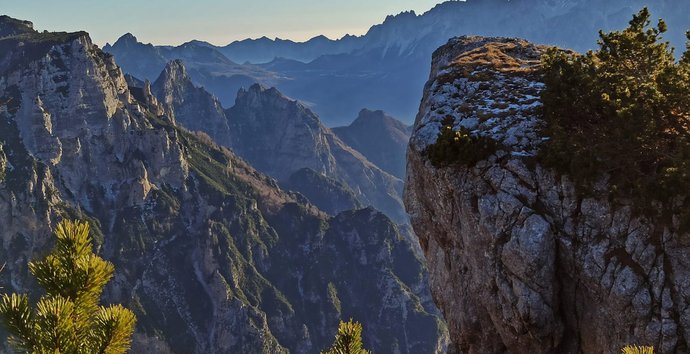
(216, 21)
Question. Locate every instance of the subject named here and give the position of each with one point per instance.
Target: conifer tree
(348, 340)
(622, 111)
(68, 318)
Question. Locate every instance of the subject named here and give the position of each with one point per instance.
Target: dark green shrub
(622, 111)
(459, 146)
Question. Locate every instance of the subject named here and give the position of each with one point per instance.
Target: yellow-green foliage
(69, 319)
(459, 146)
(634, 349)
(622, 110)
(348, 340)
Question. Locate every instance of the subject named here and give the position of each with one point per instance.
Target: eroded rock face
(191, 107)
(519, 263)
(280, 136)
(211, 255)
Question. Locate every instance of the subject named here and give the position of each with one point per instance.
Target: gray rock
(518, 263)
(210, 254)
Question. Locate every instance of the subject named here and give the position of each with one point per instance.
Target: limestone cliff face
(280, 136)
(519, 263)
(191, 107)
(211, 255)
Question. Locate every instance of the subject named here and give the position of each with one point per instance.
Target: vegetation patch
(622, 112)
(459, 147)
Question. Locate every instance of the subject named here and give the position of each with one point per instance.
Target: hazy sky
(215, 21)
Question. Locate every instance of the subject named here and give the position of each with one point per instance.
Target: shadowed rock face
(380, 137)
(518, 262)
(190, 106)
(328, 194)
(211, 255)
(280, 136)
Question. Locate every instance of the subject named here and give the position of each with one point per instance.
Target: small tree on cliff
(68, 319)
(348, 340)
(621, 110)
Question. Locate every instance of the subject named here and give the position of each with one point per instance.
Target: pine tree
(348, 340)
(623, 111)
(634, 349)
(68, 318)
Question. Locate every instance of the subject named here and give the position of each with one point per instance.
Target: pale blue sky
(215, 21)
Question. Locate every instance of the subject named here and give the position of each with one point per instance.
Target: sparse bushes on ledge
(459, 147)
(622, 110)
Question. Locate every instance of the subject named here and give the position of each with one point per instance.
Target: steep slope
(279, 136)
(328, 194)
(380, 138)
(284, 140)
(190, 106)
(210, 254)
(519, 262)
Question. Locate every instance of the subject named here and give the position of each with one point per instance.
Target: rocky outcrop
(211, 255)
(280, 136)
(190, 106)
(520, 262)
(380, 138)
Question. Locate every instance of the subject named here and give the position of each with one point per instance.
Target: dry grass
(507, 58)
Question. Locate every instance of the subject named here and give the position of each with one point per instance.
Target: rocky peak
(190, 106)
(258, 96)
(519, 262)
(280, 136)
(126, 40)
(380, 137)
(11, 27)
(369, 118)
(175, 71)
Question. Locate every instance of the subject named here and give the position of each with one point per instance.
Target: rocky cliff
(210, 254)
(380, 137)
(190, 106)
(520, 262)
(280, 136)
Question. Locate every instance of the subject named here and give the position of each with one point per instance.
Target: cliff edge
(520, 263)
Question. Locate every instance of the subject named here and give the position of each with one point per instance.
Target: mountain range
(385, 68)
(212, 255)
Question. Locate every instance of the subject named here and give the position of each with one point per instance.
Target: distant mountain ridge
(380, 137)
(281, 137)
(385, 68)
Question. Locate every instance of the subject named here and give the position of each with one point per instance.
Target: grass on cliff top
(622, 111)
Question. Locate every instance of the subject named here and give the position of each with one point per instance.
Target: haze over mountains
(385, 68)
